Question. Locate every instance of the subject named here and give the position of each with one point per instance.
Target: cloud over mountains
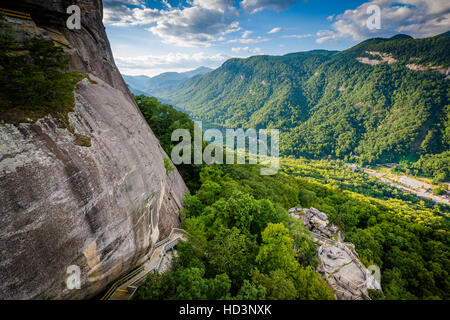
(199, 23)
(202, 22)
(418, 18)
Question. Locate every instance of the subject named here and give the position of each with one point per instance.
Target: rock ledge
(339, 262)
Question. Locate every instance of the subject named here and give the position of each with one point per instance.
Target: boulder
(343, 271)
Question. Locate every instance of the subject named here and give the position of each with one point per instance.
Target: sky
(149, 37)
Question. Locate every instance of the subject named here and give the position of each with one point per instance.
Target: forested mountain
(383, 100)
(157, 85)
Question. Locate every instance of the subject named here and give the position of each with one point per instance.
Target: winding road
(408, 184)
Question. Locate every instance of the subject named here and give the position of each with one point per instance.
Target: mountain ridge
(160, 83)
(381, 100)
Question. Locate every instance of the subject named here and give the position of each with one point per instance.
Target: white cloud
(418, 18)
(246, 34)
(258, 5)
(121, 16)
(246, 50)
(298, 36)
(275, 30)
(166, 3)
(196, 25)
(154, 64)
(249, 40)
(119, 2)
(325, 35)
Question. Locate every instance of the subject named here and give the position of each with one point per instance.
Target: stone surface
(316, 221)
(102, 207)
(339, 262)
(344, 273)
(382, 58)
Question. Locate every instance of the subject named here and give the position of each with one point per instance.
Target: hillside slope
(382, 100)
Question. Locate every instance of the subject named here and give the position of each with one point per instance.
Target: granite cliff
(100, 207)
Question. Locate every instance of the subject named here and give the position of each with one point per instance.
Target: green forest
(327, 103)
(243, 244)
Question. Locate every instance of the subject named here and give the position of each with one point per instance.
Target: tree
(276, 251)
(310, 287)
(209, 192)
(193, 286)
(278, 285)
(266, 214)
(306, 248)
(440, 190)
(239, 211)
(233, 253)
(157, 287)
(187, 256)
(192, 206)
(251, 291)
(197, 235)
(219, 287)
(396, 287)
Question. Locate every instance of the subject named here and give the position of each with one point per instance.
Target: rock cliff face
(101, 207)
(339, 262)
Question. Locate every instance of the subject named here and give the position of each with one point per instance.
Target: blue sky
(154, 36)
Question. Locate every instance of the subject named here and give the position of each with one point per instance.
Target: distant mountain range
(383, 100)
(162, 83)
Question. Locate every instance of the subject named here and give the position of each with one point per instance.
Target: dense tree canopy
(329, 103)
(244, 245)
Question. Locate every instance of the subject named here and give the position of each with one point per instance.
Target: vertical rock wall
(101, 207)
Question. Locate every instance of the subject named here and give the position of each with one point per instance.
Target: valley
(341, 114)
(330, 103)
(227, 206)
(95, 205)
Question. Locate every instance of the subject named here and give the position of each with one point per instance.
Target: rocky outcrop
(100, 208)
(381, 58)
(389, 59)
(344, 273)
(442, 70)
(339, 262)
(317, 222)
